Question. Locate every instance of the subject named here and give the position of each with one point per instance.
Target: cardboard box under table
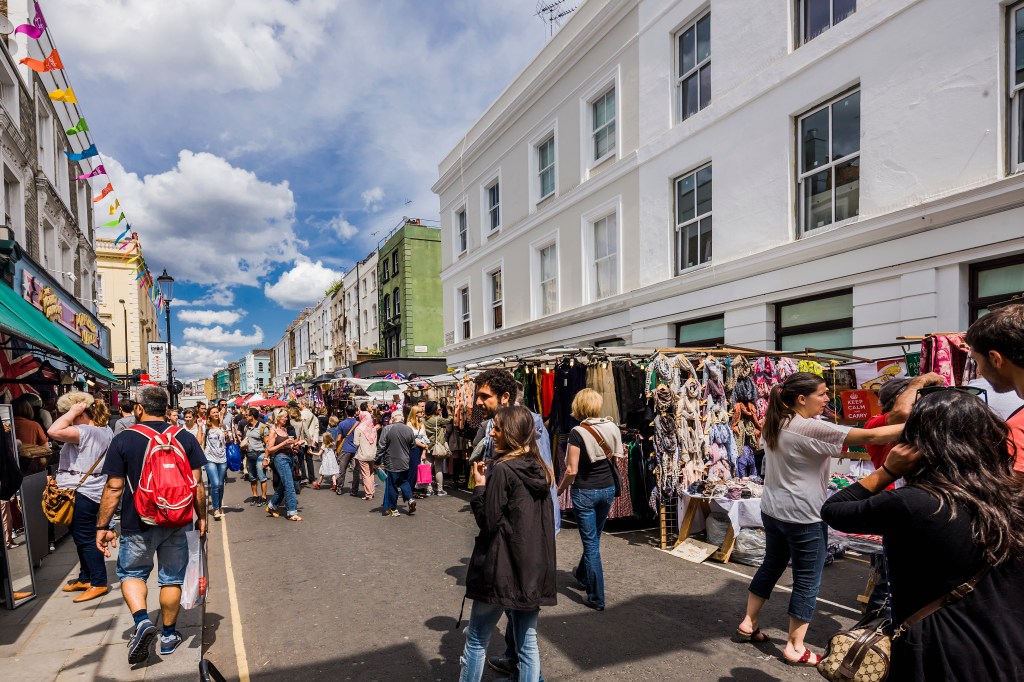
(694, 510)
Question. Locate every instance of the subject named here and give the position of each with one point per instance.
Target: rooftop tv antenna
(552, 12)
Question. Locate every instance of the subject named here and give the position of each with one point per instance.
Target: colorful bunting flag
(114, 206)
(80, 127)
(100, 170)
(86, 153)
(51, 63)
(68, 96)
(106, 190)
(36, 28)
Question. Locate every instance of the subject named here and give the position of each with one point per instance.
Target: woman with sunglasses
(512, 569)
(799, 449)
(959, 513)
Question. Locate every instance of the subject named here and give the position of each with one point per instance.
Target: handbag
(862, 653)
(59, 503)
(234, 457)
(616, 476)
(424, 474)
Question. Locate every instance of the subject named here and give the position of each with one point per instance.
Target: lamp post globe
(166, 283)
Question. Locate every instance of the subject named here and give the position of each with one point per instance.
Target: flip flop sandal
(809, 658)
(273, 514)
(755, 637)
(294, 517)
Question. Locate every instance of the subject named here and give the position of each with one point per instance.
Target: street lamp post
(166, 283)
(125, 309)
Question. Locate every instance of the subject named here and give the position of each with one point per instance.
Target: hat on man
(891, 390)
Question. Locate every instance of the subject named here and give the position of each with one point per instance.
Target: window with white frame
(9, 95)
(493, 193)
(374, 309)
(14, 210)
(384, 276)
(546, 168)
(603, 124)
(396, 301)
(99, 287)
(385, 308)
(814, 17)
(497, 300)
(548, 257)
(694, 67)
(693, 218)
(1016, 86)
(394, 262)
(605, 277)
(829, 181)
(464, 313)
(462, 228)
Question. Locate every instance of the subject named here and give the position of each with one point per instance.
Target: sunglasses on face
(970, 390)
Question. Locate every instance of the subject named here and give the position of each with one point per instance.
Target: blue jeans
(135, 557)
(215, 473)
(286, 491)
(591, 506)
(92, 569)
(415, 458)
(805, 544)
(397, 480)
(482, 620)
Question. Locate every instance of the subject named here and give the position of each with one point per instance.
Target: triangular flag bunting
(113, 206)
(80, 127)
(100, 170)
(64, 96)
(36, 28)
(106, 190)
(51, 63)
(86, 153)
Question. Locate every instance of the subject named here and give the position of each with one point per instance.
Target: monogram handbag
(862, 653)
(59, 503)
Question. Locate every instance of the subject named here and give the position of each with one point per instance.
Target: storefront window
(821, 322)
(995, 282)
(705, 332)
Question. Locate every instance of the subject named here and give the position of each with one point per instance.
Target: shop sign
(157, 361)
(913, 364)
(64, 311)
(860, 405)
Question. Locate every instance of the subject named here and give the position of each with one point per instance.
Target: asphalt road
(352, 595)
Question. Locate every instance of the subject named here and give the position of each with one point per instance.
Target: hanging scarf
(366, 427)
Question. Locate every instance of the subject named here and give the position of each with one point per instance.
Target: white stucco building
(320, 336)
(862, 184)
(359, 289)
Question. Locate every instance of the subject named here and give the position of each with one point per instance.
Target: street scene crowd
(944, 498)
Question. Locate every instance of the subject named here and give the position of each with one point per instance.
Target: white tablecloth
(741, 513)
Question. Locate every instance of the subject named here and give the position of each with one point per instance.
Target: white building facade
(830, 184)
(359, 288)
(320, 323)
(282, 361)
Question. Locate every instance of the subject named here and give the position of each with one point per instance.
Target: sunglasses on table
(970, 390)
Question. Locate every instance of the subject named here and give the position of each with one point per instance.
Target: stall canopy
(21, 319)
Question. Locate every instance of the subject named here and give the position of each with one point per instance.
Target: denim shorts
(135, 558)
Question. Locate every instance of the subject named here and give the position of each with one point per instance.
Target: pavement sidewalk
(52, 638)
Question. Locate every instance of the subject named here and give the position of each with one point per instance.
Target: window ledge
(494, 233)
(806, 234)
(695, 268)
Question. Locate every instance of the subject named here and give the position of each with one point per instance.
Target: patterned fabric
(948, 355)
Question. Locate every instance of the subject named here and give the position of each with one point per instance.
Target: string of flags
(131, 248)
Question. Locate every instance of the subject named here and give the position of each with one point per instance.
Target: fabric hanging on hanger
(600, 379)
(547, 391)
(947, 355)
(569, 379)
(714, 387)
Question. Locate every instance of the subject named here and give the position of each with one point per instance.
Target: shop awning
(19, 317)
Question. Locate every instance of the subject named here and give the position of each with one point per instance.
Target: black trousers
(306, 458)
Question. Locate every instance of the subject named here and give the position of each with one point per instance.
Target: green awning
(21, 318)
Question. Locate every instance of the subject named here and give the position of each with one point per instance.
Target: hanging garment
(547, 391)
(714, 387)
(629, 393)
(744, 390)
(947, 355)
(569, 379)
(661, 370)
(601, 379)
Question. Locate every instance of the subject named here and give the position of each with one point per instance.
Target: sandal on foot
(756, 636)
(294, 517)
(808, 658)
(273, 514)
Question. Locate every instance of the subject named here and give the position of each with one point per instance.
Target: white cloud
(218, 336)
(342, 228)
(193, 362)
(303, 285)
(216, 295)
(372, 199)
(207, 221)
(206, 318)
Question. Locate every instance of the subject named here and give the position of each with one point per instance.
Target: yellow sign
(86, 328)
(50, 304)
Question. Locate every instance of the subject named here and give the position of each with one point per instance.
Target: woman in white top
(83, 430)
(798, 452)
(217, 439)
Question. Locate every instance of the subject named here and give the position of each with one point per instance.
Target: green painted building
(222, 377)
(410, 300)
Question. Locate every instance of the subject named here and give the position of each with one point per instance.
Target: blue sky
(261, 147)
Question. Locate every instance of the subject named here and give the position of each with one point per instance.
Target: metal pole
(125, 309)
(170, 373)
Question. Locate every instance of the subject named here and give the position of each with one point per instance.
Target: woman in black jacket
(513, 564)
(960, 512)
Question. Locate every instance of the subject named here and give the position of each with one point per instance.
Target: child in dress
(328, 463)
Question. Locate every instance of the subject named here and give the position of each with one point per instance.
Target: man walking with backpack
(161, 464)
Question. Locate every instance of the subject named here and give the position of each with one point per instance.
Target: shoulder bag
(862, 653)
(59, 503)
(439, 448)
(608, 455)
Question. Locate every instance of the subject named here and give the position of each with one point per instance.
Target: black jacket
(513, 562)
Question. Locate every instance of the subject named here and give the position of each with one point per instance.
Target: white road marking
(236, 618)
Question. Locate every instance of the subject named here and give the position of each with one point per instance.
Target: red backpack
(166, 487)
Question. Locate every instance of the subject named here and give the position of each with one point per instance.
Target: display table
(694, 510)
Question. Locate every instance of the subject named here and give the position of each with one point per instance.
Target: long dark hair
(967, 460)
(781, 401)
(515, 424)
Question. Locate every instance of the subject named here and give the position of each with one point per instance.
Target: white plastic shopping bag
(193, 590)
